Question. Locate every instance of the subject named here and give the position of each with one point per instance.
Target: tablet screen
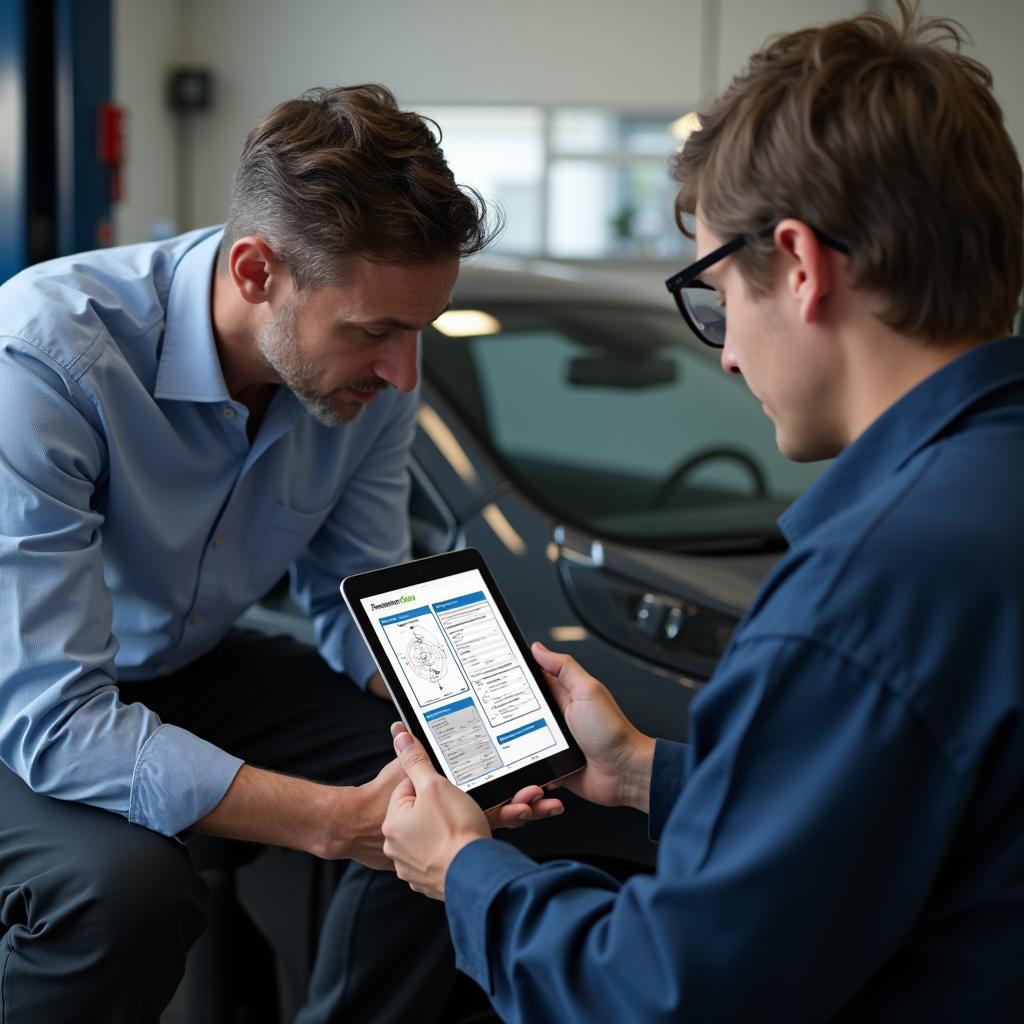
(474, 695)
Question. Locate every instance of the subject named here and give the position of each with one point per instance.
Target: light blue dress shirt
(137, 521)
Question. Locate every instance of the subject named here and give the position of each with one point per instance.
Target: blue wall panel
(13, 113)
(83, 72)
(55, 72)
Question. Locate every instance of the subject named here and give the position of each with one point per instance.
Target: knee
(140, 897)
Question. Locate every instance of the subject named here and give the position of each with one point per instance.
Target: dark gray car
(622, 488)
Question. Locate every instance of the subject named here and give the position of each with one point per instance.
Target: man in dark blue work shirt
(843, 836)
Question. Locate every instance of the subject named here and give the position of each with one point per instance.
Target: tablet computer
(461, 674)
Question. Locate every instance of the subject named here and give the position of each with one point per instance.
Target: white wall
(640, 54)
(148, 40)
(997, 30)
(654, 55)
(745, 24)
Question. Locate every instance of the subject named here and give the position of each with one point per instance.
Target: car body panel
(649, 618)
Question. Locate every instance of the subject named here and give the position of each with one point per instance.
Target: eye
(375, 335)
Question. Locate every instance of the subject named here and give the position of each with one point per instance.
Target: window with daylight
(574, 182)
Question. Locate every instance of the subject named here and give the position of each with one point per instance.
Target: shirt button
(196, 618)
(229, 413)
(218, 541)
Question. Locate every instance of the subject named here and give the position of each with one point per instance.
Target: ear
(808, 268)
(254, 269)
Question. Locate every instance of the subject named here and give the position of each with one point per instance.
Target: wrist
(334, 811)
(454, 848)
(635, 779)
(376, 685)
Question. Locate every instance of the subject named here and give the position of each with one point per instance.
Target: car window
(618, 420)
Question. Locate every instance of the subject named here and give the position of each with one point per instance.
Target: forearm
(281, 810)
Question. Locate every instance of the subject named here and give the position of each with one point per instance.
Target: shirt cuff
(480, 870)
(359, 665)
(668, 776)
(342, 647)
(179, 778)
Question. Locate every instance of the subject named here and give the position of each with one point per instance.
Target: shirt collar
(906, 427)
(189, 367)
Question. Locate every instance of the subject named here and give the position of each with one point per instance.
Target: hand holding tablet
(461, 675)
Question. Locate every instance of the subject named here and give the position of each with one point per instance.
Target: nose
(729, 363)
(399, 364)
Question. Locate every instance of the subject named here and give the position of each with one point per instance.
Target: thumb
(563, 670)
(548, 660)
(564, 667)
(414, 758)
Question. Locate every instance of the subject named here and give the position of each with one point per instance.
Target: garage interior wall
(645, 55)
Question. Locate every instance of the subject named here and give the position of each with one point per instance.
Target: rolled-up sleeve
(801, 760)
(367, 529)
(63, 728)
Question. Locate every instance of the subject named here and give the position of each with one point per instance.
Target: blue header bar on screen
(458, 602)
(412, 613)
(522, 731)
(448, 709)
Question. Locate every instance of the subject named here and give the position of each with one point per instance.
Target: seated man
(180, 423)
(843, 836)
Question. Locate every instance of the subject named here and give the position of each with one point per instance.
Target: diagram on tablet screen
(425, 657)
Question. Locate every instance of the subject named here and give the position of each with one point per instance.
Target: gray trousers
(97, 915)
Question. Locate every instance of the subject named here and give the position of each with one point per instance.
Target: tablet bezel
(370, 584)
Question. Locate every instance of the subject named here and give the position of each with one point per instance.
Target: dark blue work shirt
(842, 839)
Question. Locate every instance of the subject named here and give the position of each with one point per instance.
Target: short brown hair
(343, 173)
(886, 139)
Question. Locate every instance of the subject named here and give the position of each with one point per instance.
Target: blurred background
(629, 506)
(120, 120)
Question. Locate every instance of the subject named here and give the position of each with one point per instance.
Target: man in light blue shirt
(180, 424)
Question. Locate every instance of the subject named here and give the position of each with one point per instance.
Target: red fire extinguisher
(110, 154)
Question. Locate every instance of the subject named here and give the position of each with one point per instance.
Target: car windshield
(618, 420)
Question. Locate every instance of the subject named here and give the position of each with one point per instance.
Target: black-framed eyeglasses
(700, 304)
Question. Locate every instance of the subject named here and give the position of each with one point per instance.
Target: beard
(278, 343)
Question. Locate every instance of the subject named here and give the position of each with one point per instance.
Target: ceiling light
(467, 323)
(683, 127)
(568, 634)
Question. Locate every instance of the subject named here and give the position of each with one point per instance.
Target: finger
(520, 803)
(510, 815)
(548, 808)
(404, 793)
(515, 815)
(380, 863)
(414, 758)
(391, 774)
(396, 728)
(527, 795)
